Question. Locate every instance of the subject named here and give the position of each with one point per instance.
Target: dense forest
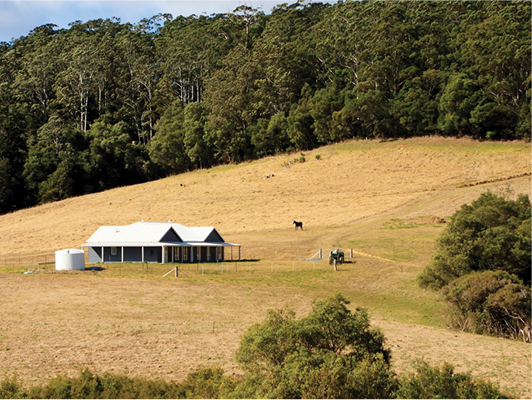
(105, 104)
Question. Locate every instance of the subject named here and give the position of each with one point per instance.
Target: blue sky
(18, 18)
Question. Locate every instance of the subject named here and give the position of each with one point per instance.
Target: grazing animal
(298, 225)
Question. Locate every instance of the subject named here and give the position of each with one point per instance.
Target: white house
(162, 242)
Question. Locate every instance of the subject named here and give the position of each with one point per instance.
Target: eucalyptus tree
(167, 148)
(300, 122)
(13, 191)
(53, 167)
(285, 57)
(76, 79)
(338, 44)
(113, 159)
(270, 136)
(230, 91)
(26, 76)
(139, 77)
(105, 85)
(498, 50)
(85, 62)
(37, 69)
(189, 50)
(230, 101)
(199, 153)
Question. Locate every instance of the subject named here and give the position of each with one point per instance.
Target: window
(113, 251)
(185, 253)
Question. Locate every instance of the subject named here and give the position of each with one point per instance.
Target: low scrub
(442, 383)
(204, 383)
(491, 302)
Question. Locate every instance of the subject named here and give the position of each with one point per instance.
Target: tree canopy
(490, 234)
(235, 86)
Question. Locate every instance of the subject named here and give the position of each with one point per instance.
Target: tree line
(105, 104)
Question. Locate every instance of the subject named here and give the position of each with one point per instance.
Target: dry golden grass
(351, 182)
(363, 195)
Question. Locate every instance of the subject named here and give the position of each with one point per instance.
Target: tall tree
(167, 148)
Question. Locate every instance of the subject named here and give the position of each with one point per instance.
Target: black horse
(298, 225)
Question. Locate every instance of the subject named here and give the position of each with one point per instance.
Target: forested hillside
(105, 104)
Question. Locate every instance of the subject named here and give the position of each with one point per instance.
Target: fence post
(321, 253)
(176, 271)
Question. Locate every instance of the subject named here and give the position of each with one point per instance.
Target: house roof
(146, 233)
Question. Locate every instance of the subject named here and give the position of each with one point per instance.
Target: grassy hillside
(350, 184)
(383, 200)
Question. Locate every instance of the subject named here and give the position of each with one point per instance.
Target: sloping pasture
(383, 200)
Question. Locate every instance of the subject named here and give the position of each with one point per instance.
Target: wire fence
(45, 263)
(27, 262)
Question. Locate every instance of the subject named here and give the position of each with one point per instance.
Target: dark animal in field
(298, 225)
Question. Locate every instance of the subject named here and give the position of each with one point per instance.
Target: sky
(19, 17)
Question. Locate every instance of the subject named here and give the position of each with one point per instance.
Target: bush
(442, 383)
(331, 353)
(10, 388)
(490, 302)
(205, 383)
(208, 383)
(490, 234)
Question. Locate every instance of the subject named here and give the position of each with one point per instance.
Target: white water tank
(69, 259)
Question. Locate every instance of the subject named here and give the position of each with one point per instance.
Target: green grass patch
(396, 223)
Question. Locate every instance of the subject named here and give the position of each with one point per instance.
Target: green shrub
(442, 383)
(490, 234)
(204, 383)
(10, 388)
(491, 302)
(331, 353)
(209, 383)
(508, 312)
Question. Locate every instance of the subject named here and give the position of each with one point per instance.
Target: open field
(380, 199)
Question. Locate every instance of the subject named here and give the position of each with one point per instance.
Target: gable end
(171, 236)
(214, 237)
